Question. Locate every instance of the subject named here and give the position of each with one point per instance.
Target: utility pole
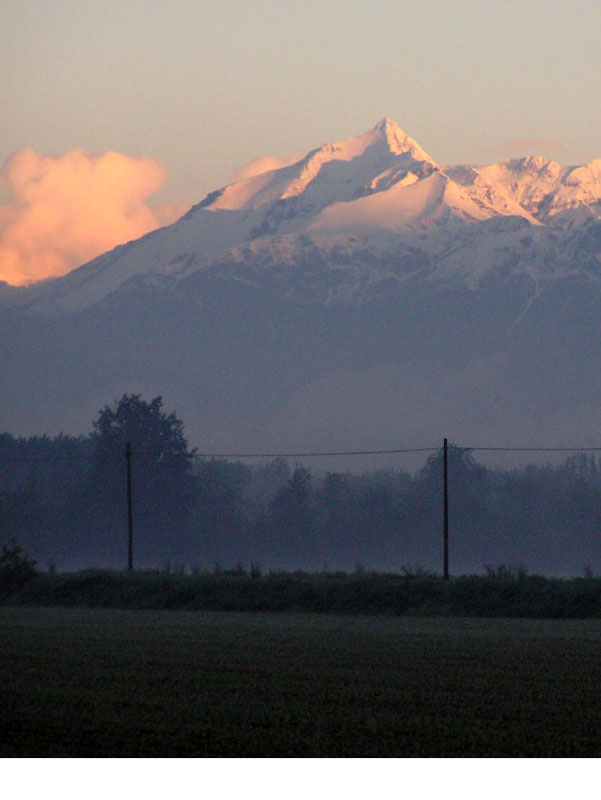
(130, 516)
(445, 479)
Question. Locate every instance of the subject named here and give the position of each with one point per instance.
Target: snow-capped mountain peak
(332, 173)
(553, 194)
(408, 203)
(363, 291)
(398, 141)
(526, 181)
(377, 190)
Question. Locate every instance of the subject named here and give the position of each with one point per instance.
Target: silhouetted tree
(164, 486)
(336, 504)
(222, 515)
(468, 502)
(16, 568)
(292, 516)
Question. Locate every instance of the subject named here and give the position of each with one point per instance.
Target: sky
(119, 115)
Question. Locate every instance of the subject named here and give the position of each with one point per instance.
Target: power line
(143, 448)
(146, 447)
(534, 449)
(317, 454)
(29, 459)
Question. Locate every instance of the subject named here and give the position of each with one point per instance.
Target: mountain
(364, 297)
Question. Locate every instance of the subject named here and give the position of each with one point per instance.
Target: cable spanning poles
(318, 454)
(143, 447)
(532, 449)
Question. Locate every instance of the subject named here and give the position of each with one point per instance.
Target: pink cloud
(66, 210)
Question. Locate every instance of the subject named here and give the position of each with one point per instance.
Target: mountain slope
(365, 297)
(380, 184)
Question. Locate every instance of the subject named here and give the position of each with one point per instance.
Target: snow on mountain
(365, 295)
(375, 193)
(411, 201)
(489, 193)
(335, 172)
(546, 189)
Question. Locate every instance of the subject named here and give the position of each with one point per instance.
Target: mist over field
(65, 500)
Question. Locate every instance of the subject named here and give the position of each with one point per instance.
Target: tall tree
(292, 515)
(160, 459)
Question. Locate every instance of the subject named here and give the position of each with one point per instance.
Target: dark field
(159, 683)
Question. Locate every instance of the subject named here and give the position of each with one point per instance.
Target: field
(100, 682)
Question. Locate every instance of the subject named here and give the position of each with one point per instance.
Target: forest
(64, 500)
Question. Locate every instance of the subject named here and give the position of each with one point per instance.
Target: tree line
(64, 499)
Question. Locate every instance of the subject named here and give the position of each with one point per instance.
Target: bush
(500, 595)
(16, 569)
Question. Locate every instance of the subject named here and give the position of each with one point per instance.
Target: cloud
(535, 146)
(63, 211)
(265, 164)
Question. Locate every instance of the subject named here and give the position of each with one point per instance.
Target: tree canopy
(161, 460)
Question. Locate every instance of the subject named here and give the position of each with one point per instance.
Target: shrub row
(340, 593)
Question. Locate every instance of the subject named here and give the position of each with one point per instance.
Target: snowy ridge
(545, 189)
(377, 193)
(332, 173)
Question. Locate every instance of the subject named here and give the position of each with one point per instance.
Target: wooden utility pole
(445, 479)
(130, 516)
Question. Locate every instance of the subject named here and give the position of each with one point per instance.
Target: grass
(99, 682)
